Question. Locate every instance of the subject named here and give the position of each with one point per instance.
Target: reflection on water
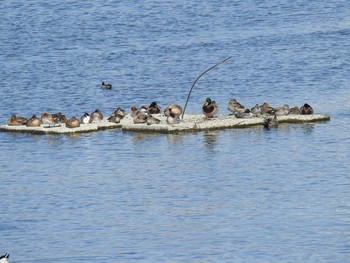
(210, 139)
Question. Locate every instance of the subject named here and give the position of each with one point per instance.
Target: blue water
(243, 195)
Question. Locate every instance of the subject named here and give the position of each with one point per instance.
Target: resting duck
(245, 114)
(271, 123)
(96, 116)
(106, 86)
(133, 111)
(116, 115)
(85, 119)
(265, 108)
(59, 117)
(4, 258)
(33, 122)
(294, 111)
(152, 120)
(281, 111)
(210, 108)
(234, 106)
(256, 110)
(306, 109)
(16, 121)
(154, 108)
(48, 119)
(73, 123)
(173, 113)
(140, 117)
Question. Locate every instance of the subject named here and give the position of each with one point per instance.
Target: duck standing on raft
(210, 108)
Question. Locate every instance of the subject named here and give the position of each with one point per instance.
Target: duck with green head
(210, 108)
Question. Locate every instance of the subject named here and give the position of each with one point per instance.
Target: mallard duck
(152, 120)
(96, 116)
(234, 106)
(59, 117)
(106, 86)
(133, 111)
(119, 112)
(306, 109)
(210, 108)
(85, 118)
(265, 108)
(256, 110)
(16, 121)
(245, 115)
(271, 122)
(4, 258)
(73, 123)
(173, 110)
(49, 119)
(154, 108)
(281, 111)
(140, 117)
(294, 111)
(114, 118)
(33, 122)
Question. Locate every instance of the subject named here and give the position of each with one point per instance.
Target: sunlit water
(244, 195)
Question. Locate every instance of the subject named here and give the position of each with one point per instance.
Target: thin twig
(194, 83)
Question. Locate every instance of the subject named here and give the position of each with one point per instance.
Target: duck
(106, 86)
(60, 117)
(234, 106)
(85, 118)
(210, 108)
(140, 117)
(16, 121)
(153, 108)
(265, 108)
(119, 112)
(5, 258)
(281, 111)
(114, 118)
(173, 113)
(96, 116)
(133, 111)
(271, 122)
(245, 114)
(48, 119)
(152, 120)
(256, 110)
(306, 109)
(294, 111)
(33, 122)
(73, 123)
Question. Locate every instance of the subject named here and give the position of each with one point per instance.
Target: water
(246, 195)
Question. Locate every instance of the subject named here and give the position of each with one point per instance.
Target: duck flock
(144, 114)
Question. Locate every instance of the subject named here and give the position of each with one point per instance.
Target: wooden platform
(188, 124)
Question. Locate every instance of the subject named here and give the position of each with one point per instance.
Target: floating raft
(188, 124)
(62, 129)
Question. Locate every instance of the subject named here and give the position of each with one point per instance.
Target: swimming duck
(85, 118)
(306, 109)
(4, 258)
(210, 108)
(234, 106)
(140, 117)
(33, 122)
(271, 122)
(281, 111)
(265, 108)
(256, 110)
(154, 108)
(96, 116)
(16, 121)
(106, 86)
(152, 120)
(295, 110)
(73, 123)
(49, 119)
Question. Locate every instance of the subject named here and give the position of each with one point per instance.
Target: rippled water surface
(243, 195)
